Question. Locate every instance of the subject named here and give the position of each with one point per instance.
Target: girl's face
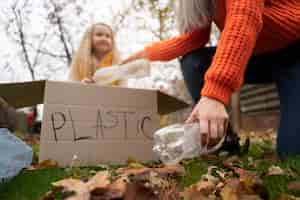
(102, 40)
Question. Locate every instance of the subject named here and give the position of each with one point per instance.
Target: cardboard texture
(23, 94)
(95, 124)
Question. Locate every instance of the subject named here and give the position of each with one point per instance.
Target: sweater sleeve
(178, 46)
(236, 45)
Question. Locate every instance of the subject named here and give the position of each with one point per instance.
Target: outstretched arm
(172, 48)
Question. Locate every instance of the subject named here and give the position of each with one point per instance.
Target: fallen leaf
(44, 164)
(210, 178)
(232, 162)
(48, 163)
(132, 163)
(115, 190)
(119, 185)
(214, 172)
(291, 173)
(79, 188)
(287, 197)
(131, 171)
(270, 156)
(154, 183)
(170, 170)
(250, 180)
(230, 190)
(100, 180)
(139, 192)
(249, 197)
(294, 185)
(199, 190)
(222, 175)
(210, 157)
(251, 162)
(274, 170)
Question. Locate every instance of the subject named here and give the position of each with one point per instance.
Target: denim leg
(288, 84)
(283, 68)
(193, 67)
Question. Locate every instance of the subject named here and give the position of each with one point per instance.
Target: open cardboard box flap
(24, 94)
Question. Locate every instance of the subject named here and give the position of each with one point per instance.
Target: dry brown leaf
(154, 183)
(139, 192)
(291, 173)
(245, 173)
(211, 169)
(79, 188)
(222, 175)
(100, 180)
(131, 171)
(232, 162)
(115, 190)
(209, 157)
(294, 185)
(270, 156)
(230, 190)
(287, 197)
(249, 197)
(248, 186)
(44, 164)
(170, 170)
(249, 180)
(174, 170)
(119, 185)
(133, 163)
(48, 163)
(210, 178)
(200, 190)
(274, 170)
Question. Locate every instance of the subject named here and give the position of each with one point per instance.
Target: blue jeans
(281, 67)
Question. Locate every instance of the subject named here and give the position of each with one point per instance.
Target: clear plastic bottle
(135, 69)
(180, 141)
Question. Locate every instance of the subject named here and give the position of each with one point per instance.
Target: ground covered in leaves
(257, 174)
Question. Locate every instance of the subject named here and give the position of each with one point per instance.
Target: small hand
(136, 56)
(213, 119)
(88, 80)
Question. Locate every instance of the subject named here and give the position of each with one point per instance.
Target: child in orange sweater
(97, 50)
(260, 41)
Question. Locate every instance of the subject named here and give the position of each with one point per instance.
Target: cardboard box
(93, 123)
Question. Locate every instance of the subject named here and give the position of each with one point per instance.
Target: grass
(32, 185)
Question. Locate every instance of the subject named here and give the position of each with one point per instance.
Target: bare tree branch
(35, 62)
(20, 32)
(62, 31)
(48, 53)
(41, 51)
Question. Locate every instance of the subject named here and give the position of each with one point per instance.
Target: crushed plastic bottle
(180, 141)
(135, 69)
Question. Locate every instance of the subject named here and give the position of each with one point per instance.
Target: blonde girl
(97, 50)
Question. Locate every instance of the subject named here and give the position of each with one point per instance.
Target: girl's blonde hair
(192, 14)
(84, 62)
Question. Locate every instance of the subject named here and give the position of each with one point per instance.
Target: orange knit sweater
(247, 27)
